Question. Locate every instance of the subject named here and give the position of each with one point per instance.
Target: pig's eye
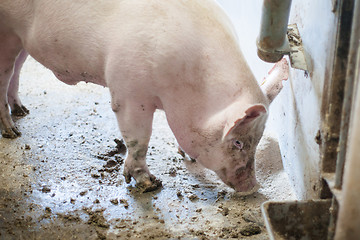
(238, 144)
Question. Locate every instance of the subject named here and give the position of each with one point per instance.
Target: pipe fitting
(272, 43)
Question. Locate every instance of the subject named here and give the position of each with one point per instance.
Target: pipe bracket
(296, 54)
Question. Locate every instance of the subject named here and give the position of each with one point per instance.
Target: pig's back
(88, 32)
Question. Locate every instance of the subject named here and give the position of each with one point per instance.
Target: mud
(62, 179)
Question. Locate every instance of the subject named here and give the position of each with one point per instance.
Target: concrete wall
(295, 113)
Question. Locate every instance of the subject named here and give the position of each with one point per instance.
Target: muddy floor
(62, 179)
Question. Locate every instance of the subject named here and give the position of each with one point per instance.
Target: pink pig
(179, 56)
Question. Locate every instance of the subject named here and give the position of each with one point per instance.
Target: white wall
(295, 113)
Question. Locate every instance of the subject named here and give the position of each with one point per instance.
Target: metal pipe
(272, 42)
(347, 226)
(348, 95)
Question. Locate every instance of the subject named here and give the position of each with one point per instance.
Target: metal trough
(297, 220)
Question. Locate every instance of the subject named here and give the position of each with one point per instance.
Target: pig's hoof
(11, 133)
(149, 185)
(19, 111)
(145, 182)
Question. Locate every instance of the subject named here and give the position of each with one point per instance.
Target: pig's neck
(200, 125)
(191, 136)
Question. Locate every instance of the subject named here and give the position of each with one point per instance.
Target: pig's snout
(246, 187)
(241, 179)
(245, 181)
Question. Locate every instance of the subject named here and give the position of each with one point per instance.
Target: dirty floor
(62, 179)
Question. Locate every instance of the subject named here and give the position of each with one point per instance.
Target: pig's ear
(251, 114)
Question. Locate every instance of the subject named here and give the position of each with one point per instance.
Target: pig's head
(230, 144)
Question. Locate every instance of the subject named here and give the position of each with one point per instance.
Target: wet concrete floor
(62, 179)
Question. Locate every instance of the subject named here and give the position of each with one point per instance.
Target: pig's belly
(73, 78)
(70, 63)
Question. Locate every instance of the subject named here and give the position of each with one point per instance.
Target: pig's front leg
(135, 123)
(272, 84)
(16, 106)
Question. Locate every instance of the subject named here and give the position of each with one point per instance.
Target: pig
(179, 56)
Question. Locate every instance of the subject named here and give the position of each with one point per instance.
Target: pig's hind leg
(10, 47)
(135, 123)
(17, 109)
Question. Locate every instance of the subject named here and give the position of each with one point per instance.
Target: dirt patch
(97, 218)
